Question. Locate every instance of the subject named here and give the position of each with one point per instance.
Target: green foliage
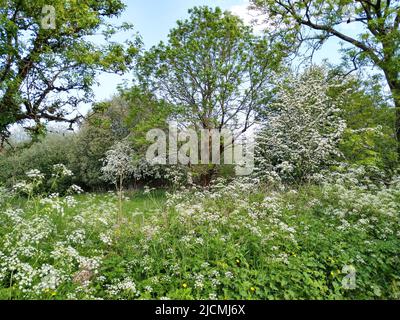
(145, 112)
(102, 128)
(81, 152)
(368, 139)
(89, 147)
(42, 155)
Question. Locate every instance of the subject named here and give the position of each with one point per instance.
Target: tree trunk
(397, 123)
(393, 80)
(120, 199)
(207, 177)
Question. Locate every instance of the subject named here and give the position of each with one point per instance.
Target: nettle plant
(302, 129)
(117, 166)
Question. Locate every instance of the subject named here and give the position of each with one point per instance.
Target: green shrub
(42, 156)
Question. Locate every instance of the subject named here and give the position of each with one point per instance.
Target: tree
(53, 149)
(213, 69)
(377, 42)
(48, 68)
(302, 128)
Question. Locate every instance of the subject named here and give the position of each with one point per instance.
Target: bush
(302, 129)
(42, 156)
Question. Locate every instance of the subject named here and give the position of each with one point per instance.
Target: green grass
(137, 200)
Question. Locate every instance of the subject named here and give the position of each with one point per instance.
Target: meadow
(233, 240)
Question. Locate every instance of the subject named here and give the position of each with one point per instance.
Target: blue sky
(154, 18)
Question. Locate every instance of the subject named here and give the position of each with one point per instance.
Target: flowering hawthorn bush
(118, 164)
(302, 129)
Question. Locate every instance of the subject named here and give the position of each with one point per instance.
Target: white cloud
(249, 16)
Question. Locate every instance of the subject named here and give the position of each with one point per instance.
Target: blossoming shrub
(233, 240)
(302, 129)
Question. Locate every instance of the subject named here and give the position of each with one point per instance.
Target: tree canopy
(213, 69)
